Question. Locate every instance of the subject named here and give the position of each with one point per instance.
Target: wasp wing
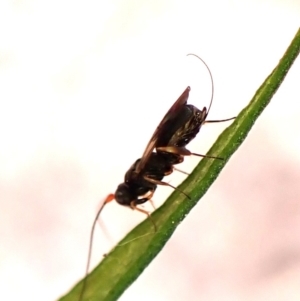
(179, 103)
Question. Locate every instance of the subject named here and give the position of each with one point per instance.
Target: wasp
(166, 148)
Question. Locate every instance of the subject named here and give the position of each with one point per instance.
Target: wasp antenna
(108, 199)
(211, 78)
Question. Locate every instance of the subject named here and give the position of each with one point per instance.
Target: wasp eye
(123, 195)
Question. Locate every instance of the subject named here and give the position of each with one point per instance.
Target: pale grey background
(83, 86)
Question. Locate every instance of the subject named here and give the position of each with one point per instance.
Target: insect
(166, 148)
(179, 126)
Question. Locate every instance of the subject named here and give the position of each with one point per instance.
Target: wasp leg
(174, 150)
(152, 204)
(157, 182)
(183, 152)
(212, 121)
(182, 171)
(134, 207)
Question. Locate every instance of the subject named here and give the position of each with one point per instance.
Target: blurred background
(83, 85)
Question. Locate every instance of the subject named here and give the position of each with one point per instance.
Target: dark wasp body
(179, 126)
(166, 148)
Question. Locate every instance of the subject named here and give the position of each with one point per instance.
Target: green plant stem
(131, 256)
